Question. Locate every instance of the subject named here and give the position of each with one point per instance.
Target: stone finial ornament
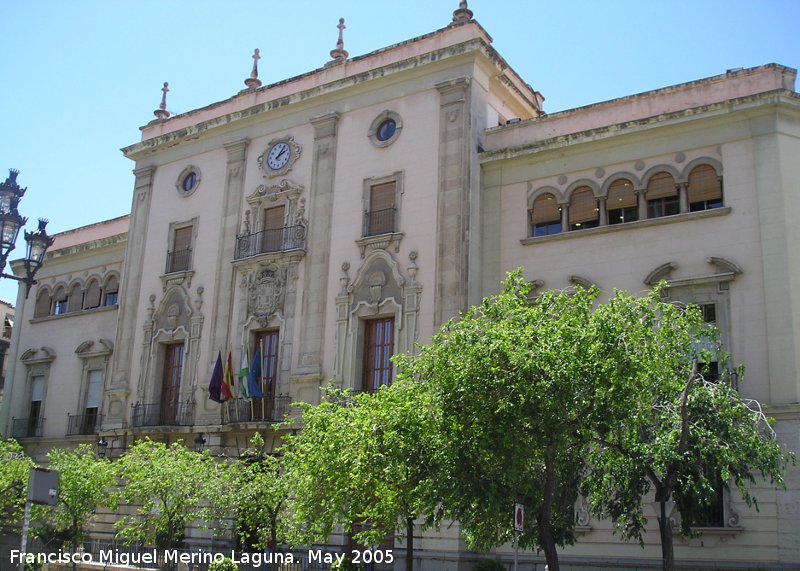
(253, 82)
(339, 54)
(161, 113)
(462, 15)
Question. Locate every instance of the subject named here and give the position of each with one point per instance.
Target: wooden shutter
(661, 185)
(42, 307)
(171, 382)
(621, 195)
(92, 297)
(545, 210)
(381, 196)
(273, 218)
(75, 299)
(582, 206)
(183, 239)
(704, 184)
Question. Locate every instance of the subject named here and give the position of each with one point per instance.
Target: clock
(279, 156)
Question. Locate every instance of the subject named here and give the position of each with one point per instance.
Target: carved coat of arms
(265, 294)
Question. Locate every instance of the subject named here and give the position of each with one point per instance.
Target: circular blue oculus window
(386, 130)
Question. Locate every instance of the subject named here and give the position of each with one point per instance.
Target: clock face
(278, 156)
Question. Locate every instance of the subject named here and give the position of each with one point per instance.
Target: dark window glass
(189, 182)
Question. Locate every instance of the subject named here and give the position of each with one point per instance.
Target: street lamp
(102, 445)
(10, 224)
(199, 442)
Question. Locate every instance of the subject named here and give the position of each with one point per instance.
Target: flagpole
(261, 382)
(225, 410)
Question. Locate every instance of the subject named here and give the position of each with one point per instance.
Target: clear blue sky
(78, 78)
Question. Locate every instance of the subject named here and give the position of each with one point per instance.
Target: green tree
(363, 461)
(660, 425)
(84, 485)
(15, 467)
(510, 383)
(171, 487)
(256, 493)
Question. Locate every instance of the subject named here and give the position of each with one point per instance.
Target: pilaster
(452, 227)
(315, 280)
(130, 290)
(219, 337)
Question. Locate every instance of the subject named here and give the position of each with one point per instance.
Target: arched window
(92, 297)
(583, 211)
(111, 291)
(60, 301)
(662, 196)
(75, 299)
(545, 216)
(622, 203)
(42, 307)
(705, 189)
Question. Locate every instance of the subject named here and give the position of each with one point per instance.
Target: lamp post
(11, 221)
(199, 442)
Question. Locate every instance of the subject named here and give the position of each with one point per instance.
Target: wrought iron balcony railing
(271, 408)
(379, 221)
(178, 260)
(83, 424)
(26, 427)
(162, 414)
(266, 241)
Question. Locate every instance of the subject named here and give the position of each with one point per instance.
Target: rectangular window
(171, 383)
(378, 350)
(179, 259)
(91, 409)
(267, 346)
(381, 213)
(272, 237)
(35, 411)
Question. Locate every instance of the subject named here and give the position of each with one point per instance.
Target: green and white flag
(244, 373)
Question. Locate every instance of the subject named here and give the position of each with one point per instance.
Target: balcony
(267, 409)
(271, 241)
(162, 414)
(83, 424)
(26, 427)
(378, 222)
(178, 261)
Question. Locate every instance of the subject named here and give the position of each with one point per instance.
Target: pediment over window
(103, 347)
(662, 272)
(35, 356)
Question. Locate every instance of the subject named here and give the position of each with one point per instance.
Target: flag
(254, 380)
(227, 379)
(215, 384)
(244, 374)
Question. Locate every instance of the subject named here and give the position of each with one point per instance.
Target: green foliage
(223, 565)
(172, 487)
(489, 565)
(659, 424)
(256, 492)
(361, 459)
(346, 564)
(14, 470)
(84, 485)
(511, 383)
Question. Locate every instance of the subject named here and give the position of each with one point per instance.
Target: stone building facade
(335, 218)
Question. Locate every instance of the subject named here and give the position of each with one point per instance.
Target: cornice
(760, 103)
(217, 124)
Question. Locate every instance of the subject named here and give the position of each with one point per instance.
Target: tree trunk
(544, 523)
(665, 530)
(667, 556)
(409, 544)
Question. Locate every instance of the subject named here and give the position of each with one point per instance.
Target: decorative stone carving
(639, 165)
(265, 292)
(376, 282)
(344, 280)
